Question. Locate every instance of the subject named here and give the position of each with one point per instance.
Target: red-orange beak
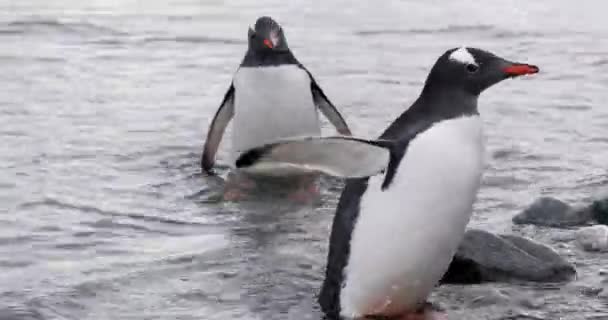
(520, 69)
(268, 43)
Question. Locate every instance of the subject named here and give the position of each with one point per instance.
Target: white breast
(272, 103)
(405, 236)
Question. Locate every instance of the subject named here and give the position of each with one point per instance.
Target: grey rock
(593, 238)
(486, 257)
(591, 291)
(599, 209)
(551, 212)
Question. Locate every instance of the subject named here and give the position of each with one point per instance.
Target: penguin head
(474, 70)
(267, 36)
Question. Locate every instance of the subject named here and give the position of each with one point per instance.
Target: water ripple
(448, 29)
(51, 202)
(194, 40)
(33, 26)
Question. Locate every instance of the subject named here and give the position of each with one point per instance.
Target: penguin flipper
(216, 130)
(345, 157)
(327, 108)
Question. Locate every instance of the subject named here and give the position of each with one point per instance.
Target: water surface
(103, 110)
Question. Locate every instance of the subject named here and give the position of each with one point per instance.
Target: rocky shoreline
(486, 257)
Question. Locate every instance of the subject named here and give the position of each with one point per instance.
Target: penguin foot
(234, 194)
(426, 312)
(425, 315)
(238, 187)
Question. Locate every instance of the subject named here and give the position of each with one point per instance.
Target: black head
(267, 36)
(473, 70)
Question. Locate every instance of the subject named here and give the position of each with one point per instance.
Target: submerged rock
(551, 212)
(593, 238)
(483, 296)
(486, 257)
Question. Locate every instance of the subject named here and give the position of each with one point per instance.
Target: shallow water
(103, 110)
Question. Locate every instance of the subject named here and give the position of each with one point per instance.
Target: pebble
(593, 239)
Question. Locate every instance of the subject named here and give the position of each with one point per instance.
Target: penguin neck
(268, 58)
(446, 102)
(431, 107)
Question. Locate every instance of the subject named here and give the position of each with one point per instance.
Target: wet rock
(486, 257)
(593, 238)
(551, 212)
(591, 291)
(599, 209)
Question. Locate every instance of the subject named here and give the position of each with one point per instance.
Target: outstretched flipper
(327, 108)
(344, 157)
(216, 130)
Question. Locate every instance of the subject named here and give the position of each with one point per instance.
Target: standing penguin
(272, 96)
(394, 234)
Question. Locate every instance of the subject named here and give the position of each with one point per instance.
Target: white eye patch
(274, 37)
(463, 56)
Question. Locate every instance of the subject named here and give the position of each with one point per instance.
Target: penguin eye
(472, 68)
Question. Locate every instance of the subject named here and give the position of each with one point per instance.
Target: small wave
(506, 154)
(10, 57)
(388, 81)
(15, 240)
(381, 32)
(504, 181)
(448, 29)
(114, 225)
(600, 62)
(108, 42)
(193, 39)
(10, 32)
(50, 25)
(20, 313)
(506, 34)
(575, 107)
(43, 59)
(51, 202)
(72, 246)
(14, 264)
(7, 185)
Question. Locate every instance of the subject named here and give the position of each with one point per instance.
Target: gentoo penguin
(272, 96)
(394, 234)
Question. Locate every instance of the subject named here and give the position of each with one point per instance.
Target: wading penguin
(272, 96)
(394, 234)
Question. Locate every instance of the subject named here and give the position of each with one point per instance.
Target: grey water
(104, 107)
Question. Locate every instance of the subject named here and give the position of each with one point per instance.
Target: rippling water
(103, 110)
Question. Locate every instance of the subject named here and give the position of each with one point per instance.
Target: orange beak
(520, 69)
(268, 43)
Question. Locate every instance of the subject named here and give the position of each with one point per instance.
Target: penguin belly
(406, 235)
(272, 103)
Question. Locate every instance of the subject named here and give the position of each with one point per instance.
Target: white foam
(463, 56)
